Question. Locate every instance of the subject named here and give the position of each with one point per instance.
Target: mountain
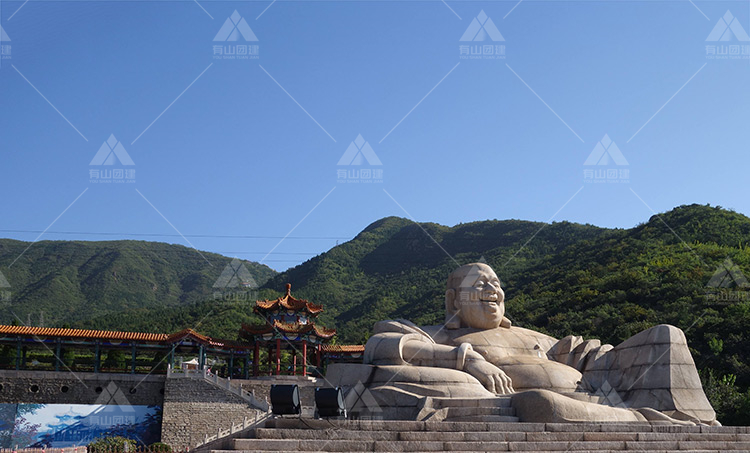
(560, 278)
(73, 282)
(396, 268)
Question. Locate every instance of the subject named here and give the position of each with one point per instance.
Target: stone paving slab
(565, 446)
(495, 436)
(695, 445)
(408, 446)
(475, 446)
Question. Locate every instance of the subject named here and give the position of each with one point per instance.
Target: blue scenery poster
(66, 425)
(7, 423)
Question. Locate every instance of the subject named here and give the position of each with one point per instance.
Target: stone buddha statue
(477, 353)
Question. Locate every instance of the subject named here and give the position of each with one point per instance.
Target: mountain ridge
(71, 281)
(560, 278)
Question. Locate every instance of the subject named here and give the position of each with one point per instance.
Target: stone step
(456, 412)
(405, 425)
(501, 401)
(431, 445)
(324, 434)
(484, 418)
(548, 451)
(583, 396)
(485, 436)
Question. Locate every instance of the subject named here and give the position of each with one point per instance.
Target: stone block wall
(261, 387)
(194, 408)
(52, 387)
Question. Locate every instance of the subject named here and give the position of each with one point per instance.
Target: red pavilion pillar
(278, 356)
(294, 364)
(318, 358)
(256, 358)
(304, 357)
(270, 369)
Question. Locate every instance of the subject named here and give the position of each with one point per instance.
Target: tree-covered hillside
(70, 282)
(560, 278)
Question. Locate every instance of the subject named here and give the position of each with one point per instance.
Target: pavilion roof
(81, 333)
(288, 302)
(286, 327)
(185, 334)
(108, 335)
(350, 348)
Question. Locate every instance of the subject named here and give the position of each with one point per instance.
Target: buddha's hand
(492, 377)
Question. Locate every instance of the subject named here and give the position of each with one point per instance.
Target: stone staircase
(222, 383)
(468, 410)
(295, 435)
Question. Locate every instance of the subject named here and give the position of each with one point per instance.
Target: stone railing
(224, 384)
(246, 423)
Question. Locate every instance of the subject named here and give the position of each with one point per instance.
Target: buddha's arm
(409, 346)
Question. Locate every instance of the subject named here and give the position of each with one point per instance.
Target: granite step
(413, 446)
(456, 412)
(548, 451)
(584, 396)
(484, 418)
(335, 435)
(458, 436)
(500, 401)
(406, 425)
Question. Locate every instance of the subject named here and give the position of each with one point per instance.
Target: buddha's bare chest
(498, 344)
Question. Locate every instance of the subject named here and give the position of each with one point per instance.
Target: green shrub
(109, 444)
(160, 447)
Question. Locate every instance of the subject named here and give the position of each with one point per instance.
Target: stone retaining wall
(53, 387)
(194, 408)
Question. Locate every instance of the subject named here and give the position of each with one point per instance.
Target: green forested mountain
(560, 278)
(73, 282)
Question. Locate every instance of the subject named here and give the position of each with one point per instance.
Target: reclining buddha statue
(477, 353)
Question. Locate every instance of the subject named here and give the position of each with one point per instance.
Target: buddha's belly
(532, 372)
(522, 355)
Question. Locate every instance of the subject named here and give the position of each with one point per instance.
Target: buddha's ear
(505, 323)
(452, 321)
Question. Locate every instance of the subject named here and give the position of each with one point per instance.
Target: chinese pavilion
(289, 326)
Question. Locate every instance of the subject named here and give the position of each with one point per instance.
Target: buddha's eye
(480, 283)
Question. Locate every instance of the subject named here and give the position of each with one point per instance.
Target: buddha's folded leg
(651, 369)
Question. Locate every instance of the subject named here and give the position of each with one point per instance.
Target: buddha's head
(473, 298)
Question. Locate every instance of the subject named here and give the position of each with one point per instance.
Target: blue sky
(250, 147)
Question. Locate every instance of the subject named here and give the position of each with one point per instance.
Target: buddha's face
(479, 300)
